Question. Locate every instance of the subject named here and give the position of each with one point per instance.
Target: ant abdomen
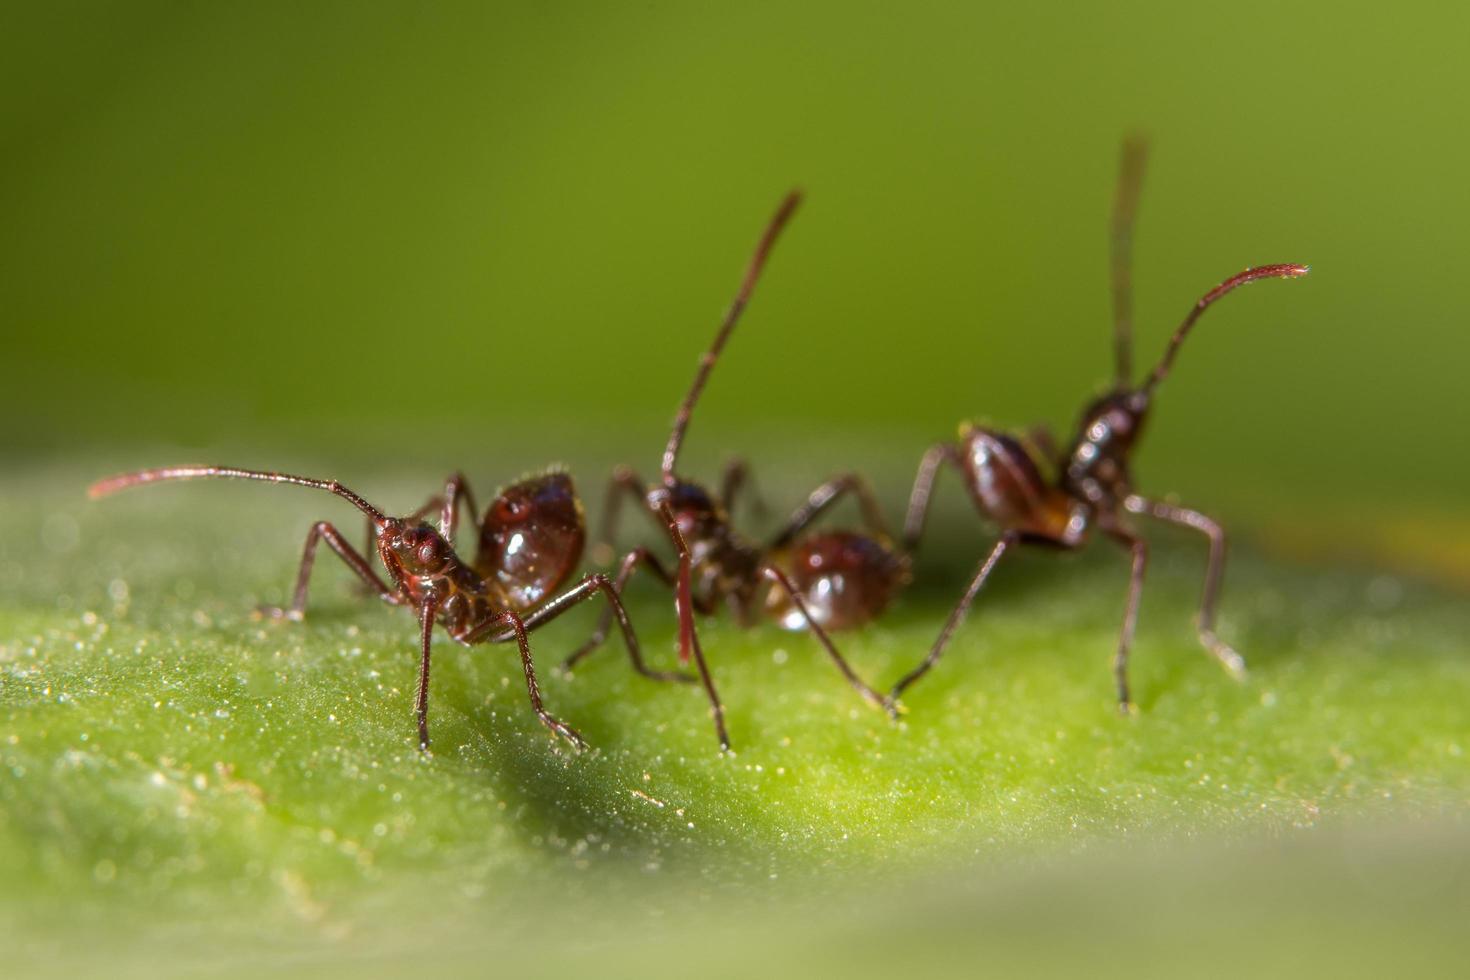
(1009, 485)
(532, 538)
(845, 580)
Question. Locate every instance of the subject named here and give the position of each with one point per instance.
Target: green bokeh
(322, 226)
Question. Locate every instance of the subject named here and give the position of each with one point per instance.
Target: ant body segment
(530, 540)
(1059, 502)
(821, 581)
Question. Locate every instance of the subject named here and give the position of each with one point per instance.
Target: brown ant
(530, 540)
(828, 580)
(1090, 486)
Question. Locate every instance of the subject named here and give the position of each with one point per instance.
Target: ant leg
(513, 625)
(427, 613)
(457, 493)
(1139, 549)
(622, 482)
(359, 565)
(1232, 661)
(1007, 540)
(1041, 439)
(584, 590)
(684, 606)
(630, 563)
(824, 497)
(716, 709)
(913, 523)
(871, 696)
(740, 612)
(737, 476)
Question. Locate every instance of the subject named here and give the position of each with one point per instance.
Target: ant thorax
(703, 521)
(1096, 466)
(721, 560)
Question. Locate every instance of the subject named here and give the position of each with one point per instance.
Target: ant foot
(564, 730)
(894, 708)
(874, 698)
(1233, 662)
(277, 614)
(1127, 708)
(723, 735)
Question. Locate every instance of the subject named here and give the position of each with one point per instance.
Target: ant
(530, 540)
(823, 581)
(1089, 486)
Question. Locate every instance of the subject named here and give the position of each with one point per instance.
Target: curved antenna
(1249, 275)
(163, 473)
(732, 316)
(1132, 162)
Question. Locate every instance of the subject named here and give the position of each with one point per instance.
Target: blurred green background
(468, 233)
(380, 242)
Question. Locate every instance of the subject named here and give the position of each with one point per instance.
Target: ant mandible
(1092, 487)
(526, 537)
(828, 580)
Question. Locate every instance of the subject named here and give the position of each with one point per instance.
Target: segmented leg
(824, 496)
(322, 531)
(586, 589)
(688, 636)
(1139, 549)
(736, 477)
(623, 482)
(778, 577)
(913, 523)
(629, 564)
(457, 494)
(717, 710)
(1006, 542)
(427, 612)
(513, 625)
(1232, 661)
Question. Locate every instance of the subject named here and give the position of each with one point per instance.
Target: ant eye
(428, 552)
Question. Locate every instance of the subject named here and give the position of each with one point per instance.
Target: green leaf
(174, 770)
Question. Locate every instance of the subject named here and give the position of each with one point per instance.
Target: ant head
(532, 536)
(698, 514)
(413, 549)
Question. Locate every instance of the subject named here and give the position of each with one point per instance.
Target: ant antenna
(732, 316)
(1132, 162)
(1249, 275)
(115, 483)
